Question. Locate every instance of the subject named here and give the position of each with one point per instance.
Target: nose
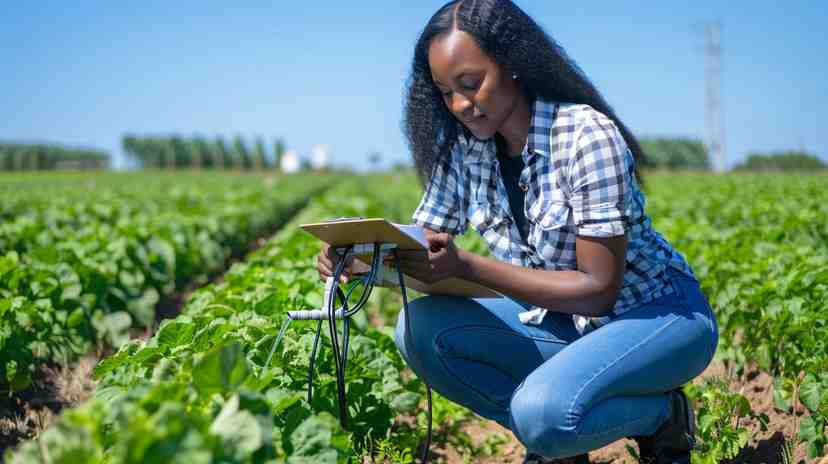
(462, 106)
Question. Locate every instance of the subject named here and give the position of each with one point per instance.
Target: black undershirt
(510, 169)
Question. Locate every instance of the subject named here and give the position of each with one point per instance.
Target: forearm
(572, 292)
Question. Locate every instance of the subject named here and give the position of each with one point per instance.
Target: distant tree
(374, 158)
(782, 161)
(241, 153)
(259, 154)
(400, 166)
(46, 156)
(224, 156)
(202, 148)
(674, 153)
(278, 151)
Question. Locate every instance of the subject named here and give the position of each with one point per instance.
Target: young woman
(604, 319)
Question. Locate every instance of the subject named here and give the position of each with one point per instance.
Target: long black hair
(512, 39)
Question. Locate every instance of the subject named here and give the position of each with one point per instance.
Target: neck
(515, 130)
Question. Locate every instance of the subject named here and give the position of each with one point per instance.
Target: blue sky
(332, 72)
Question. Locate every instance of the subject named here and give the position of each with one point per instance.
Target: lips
(474, 119)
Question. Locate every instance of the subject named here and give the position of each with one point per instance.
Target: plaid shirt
(578, 178)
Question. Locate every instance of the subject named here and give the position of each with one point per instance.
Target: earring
(514, 76)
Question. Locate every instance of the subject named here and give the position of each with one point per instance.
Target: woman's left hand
(442, 260)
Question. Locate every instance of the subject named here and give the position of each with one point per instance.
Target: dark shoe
(532, 458)
(673, 441)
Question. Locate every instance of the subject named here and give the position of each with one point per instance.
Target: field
(90, 263)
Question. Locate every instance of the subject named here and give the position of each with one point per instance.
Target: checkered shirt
(579, 180)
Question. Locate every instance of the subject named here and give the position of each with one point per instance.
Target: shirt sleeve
(600, 179)
(441, 207)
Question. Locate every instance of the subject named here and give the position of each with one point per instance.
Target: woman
(603, 320)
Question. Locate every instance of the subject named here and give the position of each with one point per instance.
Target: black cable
(338, 366)
(312, 358)
(369, 284)
(412, 353)
(341, 357)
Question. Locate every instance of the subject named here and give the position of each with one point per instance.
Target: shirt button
(524, 187)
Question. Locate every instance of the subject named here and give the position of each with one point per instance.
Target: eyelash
(466, 87)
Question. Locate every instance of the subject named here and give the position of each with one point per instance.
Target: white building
(319, 156)
(290, 162)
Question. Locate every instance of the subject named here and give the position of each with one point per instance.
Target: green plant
(720, 418)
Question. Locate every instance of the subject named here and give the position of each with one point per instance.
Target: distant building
(290, 162)
(319, 157)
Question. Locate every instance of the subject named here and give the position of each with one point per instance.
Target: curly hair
(513, 40)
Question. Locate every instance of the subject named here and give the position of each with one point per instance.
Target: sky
(330, 72)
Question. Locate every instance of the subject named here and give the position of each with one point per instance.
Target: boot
(532, 458)
(673, 441)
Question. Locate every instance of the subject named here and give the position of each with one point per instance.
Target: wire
(408, 337)
(340, 356)
(339, 366)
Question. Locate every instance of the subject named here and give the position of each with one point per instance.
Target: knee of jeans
(544, 421)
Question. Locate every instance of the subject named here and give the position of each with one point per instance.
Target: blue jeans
(559, 392)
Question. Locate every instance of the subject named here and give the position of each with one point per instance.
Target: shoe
(675, 439)
(532, 458)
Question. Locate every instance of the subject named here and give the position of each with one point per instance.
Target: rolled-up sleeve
(441, 207)
(600, 179)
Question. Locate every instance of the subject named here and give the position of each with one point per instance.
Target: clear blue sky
(332, 72)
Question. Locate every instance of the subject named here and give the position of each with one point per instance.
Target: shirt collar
(538, 139)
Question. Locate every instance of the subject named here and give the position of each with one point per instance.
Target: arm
(591, 290)
(599, 177)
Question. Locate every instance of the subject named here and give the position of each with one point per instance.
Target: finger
(438, 241)
(322, 260)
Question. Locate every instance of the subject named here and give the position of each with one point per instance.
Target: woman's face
(477, 90)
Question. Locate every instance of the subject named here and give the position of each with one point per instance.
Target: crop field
(87, 262)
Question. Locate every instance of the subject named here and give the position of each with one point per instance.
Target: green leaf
(173, 333)
(781, 395)
(811, 392)
(319, 437)
(405, 402)
(239, 430)
(221, 370)
(809, 429)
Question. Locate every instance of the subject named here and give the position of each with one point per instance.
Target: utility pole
(714, 135)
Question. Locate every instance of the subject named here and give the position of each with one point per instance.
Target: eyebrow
(464, 73)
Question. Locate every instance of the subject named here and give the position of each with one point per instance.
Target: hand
(442, 260)
(326, 264)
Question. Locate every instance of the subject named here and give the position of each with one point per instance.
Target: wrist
(466, 260)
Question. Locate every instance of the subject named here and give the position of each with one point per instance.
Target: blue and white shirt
(579, 180)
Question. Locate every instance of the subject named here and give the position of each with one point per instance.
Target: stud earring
(514, 76)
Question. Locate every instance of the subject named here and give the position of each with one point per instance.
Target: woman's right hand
(326, 263)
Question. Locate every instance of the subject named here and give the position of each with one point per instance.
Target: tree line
(674, 153)
(48, 156)
(793, 160)
(198, 152)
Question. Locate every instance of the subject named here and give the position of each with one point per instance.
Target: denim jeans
(559, 392)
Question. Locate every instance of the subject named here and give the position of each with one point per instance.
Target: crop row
(202, 390)
(88, 258)
(205, 388)
(759, 245)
